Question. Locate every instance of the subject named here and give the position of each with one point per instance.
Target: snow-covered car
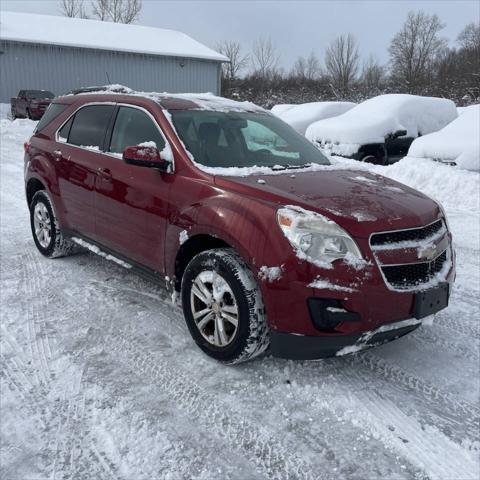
(301, 116)
(457, 144)
(281, 108)
(381, 129)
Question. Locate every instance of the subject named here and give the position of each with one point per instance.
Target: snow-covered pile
(281, 108)
(458, 142)
(301, 116)
(461, 110)
(82, 33)
(455, 189)
(379, 117)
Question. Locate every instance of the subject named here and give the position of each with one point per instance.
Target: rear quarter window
(52, 112)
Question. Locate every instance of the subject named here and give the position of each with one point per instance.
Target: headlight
(315, 237)
(445, 219)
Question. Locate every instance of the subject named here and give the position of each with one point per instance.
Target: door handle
(104, 173)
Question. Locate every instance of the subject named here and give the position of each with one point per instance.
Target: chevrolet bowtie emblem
(428, 253)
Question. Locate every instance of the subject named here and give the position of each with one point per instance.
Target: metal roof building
(61, 54)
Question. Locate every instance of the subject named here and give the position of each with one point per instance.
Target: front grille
(412, 234)
(413, 274)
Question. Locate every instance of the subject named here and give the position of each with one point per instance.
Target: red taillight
(26, 147)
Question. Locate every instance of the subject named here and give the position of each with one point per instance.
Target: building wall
(61, 69)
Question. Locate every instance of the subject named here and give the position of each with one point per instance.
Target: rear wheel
(47, 236)
(12, 113)
(376, 157)
(223, 307)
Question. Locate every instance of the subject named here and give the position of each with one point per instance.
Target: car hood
(359, 201)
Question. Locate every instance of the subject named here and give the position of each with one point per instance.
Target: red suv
(267, 243)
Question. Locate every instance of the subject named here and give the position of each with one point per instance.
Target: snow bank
(454, 188)
(281, 108)
(376, 118)
(82, 33)
(458, 142)
(461, 110)
(301, 116)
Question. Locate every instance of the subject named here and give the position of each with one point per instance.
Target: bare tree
(469, 37)
(372, 73)
(73, 8)
(299, 69)
(238, 61)
(342, 60)
(264, 58)
(306, 68)
(313, 69)
(117, 11)
(414, 48)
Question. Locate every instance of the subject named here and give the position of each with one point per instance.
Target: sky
(295, 27)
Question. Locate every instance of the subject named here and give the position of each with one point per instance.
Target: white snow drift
(458, 142)
(375, 119)
(301, 116)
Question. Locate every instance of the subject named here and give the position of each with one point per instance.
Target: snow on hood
(378, 117)
(458, 142)
(301, 116)
(358, 201)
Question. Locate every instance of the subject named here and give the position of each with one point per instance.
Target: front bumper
(305, 347)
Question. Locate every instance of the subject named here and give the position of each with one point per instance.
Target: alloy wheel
(214, 308)
(42, 224)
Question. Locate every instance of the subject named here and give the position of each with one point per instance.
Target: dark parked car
(265, 241)
(31, 104)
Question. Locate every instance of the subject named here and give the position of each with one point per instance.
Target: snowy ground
(100, 379)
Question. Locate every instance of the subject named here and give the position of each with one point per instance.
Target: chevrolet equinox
(268, 244)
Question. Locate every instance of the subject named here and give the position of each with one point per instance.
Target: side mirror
(145, 156)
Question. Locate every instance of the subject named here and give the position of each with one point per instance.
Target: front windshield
(243, 139)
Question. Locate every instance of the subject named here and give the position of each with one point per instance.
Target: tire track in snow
(427, 448)
(428, 336)
(463, 411)
(256, 443)
(71, 430)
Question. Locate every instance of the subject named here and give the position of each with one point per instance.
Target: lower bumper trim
(305, 347)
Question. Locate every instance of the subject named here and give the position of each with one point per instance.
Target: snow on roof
(175, 101)
(82, 33)
(459, 141)
(378, 117)
(301, 116)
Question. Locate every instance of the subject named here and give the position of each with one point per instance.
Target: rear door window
(89, 126)
(133, 127)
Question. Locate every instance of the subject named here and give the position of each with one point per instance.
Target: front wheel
(47, 236)
(223, 306)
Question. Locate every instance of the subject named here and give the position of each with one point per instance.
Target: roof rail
(104, 88)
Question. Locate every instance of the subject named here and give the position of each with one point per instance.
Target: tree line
(420, 62)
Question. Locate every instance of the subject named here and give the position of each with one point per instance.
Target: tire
(235, 298)
(12, 113)
(375, 159)
(47, 236)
